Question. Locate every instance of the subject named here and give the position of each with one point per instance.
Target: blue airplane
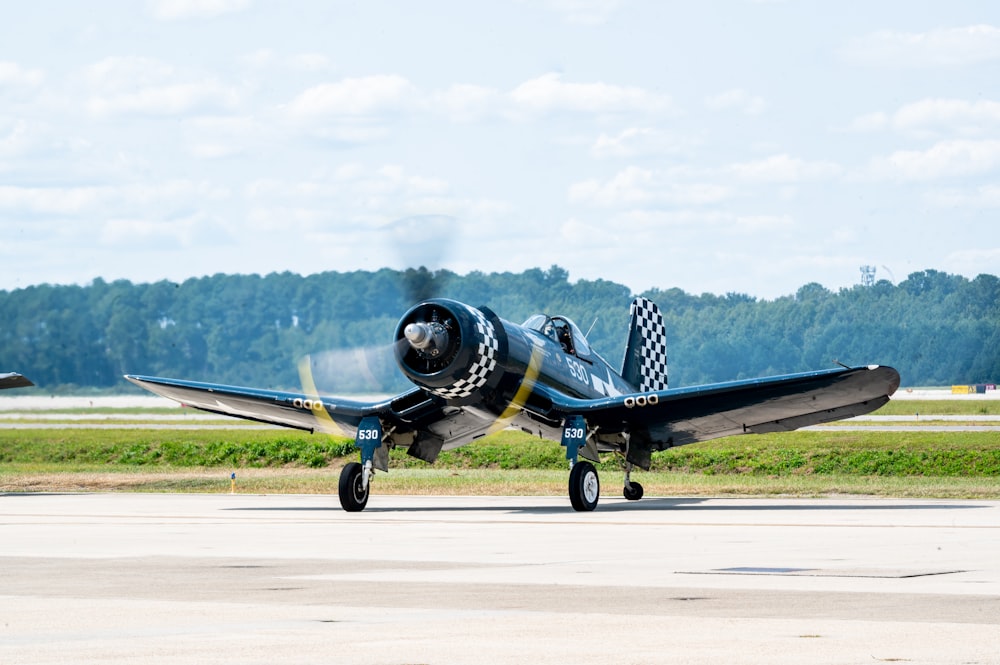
(475, 373)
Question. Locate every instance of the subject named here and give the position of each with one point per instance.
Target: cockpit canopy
(562, 330)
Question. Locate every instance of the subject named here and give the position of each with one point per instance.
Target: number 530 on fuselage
(475, 373)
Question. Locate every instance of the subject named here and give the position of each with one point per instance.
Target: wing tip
(893, 378)
(14, 380)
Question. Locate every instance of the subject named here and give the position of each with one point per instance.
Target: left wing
(297, 410)
(675, 417)
(14, 380)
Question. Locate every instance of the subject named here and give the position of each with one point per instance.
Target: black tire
(353, 497)
(584, 486)
(633, 492)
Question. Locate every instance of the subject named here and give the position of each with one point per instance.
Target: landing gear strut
(632, 491)
(355, 478)
(584, 486)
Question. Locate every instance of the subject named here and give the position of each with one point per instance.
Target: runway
(169, 578)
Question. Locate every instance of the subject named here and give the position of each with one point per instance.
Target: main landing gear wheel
(352, 489)
(584, 486)
(633, 491)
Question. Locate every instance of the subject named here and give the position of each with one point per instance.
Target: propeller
(324, 422)
(523, 391)
(429, 341)
(372, 369)
(363, 370)
(423, 241)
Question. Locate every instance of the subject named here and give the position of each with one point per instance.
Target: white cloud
(585, 12)
(394, 178)
(548, 93)
(738, 100)
(761, 223)
(970, 262)
(230, 125)
(355, 97)
(350, 189)
(784, 168)
(174, 10)
(941, 47)
(986, 196)
(14, 75)
(224, 136)
(310, 62)
(479, 213)
(87, 200)
(870, 122)
(355, 109)
(145, 232)
(164, 100)
(625, 144)
(15, 138)
(362, 197)
(636, 186)
(121, 85)
(465, 102)
(50, 200)
(646, 227)
(935, 116)
(302, 62)
(945, 159)
(261, 57)
(639, 141)
(127, 72)
(949, 115)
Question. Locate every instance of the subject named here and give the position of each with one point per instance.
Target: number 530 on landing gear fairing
(475, 373)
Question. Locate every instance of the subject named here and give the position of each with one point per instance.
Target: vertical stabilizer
(645, 364)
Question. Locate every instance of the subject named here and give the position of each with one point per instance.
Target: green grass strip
(933, 454)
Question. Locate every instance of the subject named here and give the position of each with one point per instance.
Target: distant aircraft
(475, 373)
(13, 380)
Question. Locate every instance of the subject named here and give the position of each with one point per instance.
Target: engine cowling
(448, 348)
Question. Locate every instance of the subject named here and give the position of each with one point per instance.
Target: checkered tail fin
(645, 364)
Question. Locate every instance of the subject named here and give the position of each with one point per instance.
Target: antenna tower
(867, 275)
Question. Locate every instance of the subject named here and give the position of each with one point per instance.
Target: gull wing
(675, 417)
(298, 410)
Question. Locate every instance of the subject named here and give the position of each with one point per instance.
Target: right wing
(405, 412)
(680, 416)
(14, 380)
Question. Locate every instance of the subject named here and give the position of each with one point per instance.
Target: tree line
(936, 328)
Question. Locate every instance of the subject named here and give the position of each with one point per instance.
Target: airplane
(14, 380)
(475, 373)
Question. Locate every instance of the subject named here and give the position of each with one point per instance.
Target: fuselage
(467, 355)
(571, 367)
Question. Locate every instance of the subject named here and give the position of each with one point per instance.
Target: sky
(730, 146)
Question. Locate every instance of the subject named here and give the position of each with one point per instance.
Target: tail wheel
(633, 491)
(352, 489)
(584, 486)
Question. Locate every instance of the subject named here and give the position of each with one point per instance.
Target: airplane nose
(428, 339)
(418, 335)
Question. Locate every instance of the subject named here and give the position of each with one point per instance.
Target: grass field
(805, 463)
(940, 407)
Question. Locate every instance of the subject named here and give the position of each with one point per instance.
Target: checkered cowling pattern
(649, 322)
(483, 364)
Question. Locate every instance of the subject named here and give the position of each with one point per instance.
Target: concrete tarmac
(98, 578)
